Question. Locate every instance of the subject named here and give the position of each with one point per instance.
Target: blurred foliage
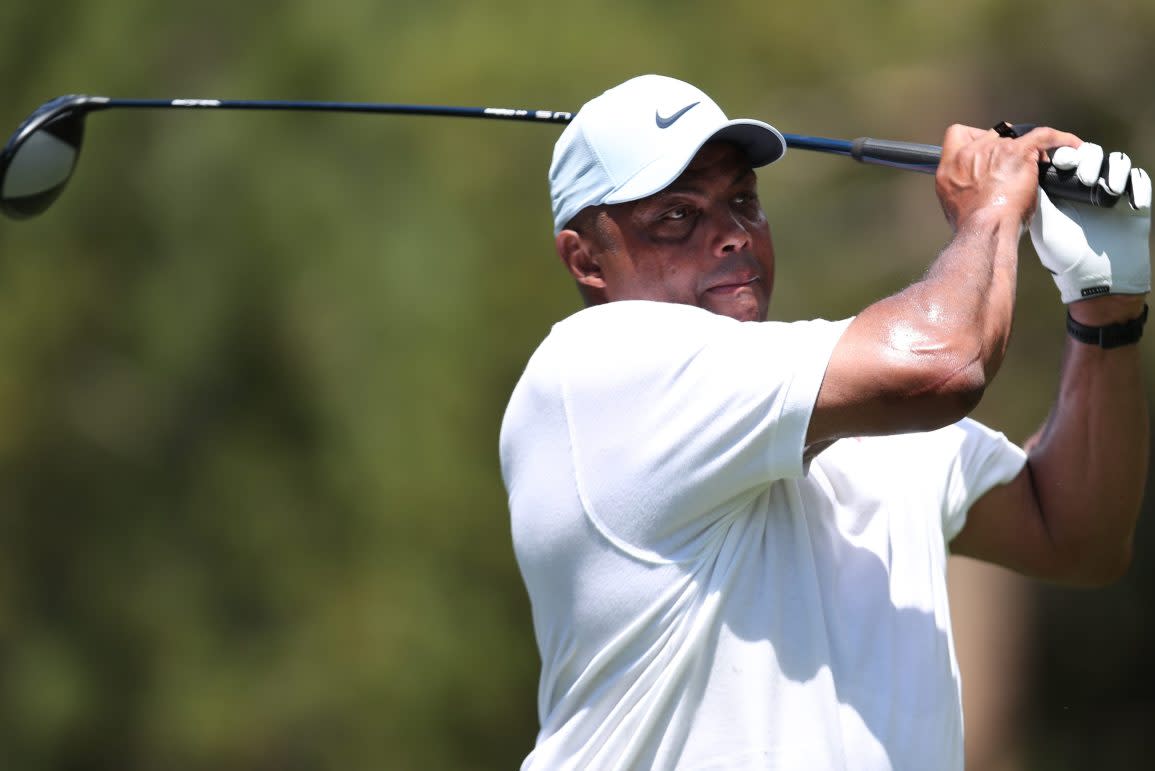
(252, 366)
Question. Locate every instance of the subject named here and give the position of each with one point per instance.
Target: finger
(959, 135)
(1140, 190)
(1114, 181)
(1065, 158)
(1090, 163)
(1044, 137)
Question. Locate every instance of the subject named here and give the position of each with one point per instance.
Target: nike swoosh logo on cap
(667, 122)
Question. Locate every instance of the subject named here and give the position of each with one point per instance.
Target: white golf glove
(1093, 250)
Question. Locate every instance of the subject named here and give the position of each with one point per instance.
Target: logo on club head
(664, 122)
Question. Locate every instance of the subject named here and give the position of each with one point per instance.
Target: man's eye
(679, 213)
(745, 199)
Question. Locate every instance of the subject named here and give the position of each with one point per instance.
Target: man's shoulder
(627, 315)
(633, 322)
(645, 337)
(627, 327)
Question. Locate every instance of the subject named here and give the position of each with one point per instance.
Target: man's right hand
(981, 171)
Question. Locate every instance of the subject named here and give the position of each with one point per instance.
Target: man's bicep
(1005, 527)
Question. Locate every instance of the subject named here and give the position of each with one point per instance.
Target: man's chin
(744, 305)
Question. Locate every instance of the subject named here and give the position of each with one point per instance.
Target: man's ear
(580, 259)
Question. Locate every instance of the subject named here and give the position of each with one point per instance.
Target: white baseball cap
(637, 138)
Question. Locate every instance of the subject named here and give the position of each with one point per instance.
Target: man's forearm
(973, 283)
(1089, 462)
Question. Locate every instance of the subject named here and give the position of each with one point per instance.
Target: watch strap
(1111, 335)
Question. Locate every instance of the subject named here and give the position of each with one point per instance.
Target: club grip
(887, 152)
(1065, 185)
(925, 158)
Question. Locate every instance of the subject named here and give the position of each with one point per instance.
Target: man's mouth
(731, 286)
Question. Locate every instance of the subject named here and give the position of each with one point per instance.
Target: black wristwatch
(1110, 336)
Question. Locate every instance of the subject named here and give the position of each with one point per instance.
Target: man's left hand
(1090, 250)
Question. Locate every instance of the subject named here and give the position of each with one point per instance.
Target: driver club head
(38, 161)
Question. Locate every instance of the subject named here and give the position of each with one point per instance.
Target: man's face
(703, 241)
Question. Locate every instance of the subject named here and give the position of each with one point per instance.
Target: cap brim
(762, 143)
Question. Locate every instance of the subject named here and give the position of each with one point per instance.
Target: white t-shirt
(701, 599)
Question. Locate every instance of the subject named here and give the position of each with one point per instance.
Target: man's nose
(732, 235)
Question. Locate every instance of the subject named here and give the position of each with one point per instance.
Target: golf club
(39, 159)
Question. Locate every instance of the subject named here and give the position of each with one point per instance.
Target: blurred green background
(252, 366)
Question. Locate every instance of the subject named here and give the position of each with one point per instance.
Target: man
(734, 532)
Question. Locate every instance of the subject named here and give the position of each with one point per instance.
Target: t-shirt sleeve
(676, 415)
(982, 459)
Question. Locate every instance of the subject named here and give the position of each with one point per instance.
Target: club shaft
(492, 113)
(905, 155)
(882, 152)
